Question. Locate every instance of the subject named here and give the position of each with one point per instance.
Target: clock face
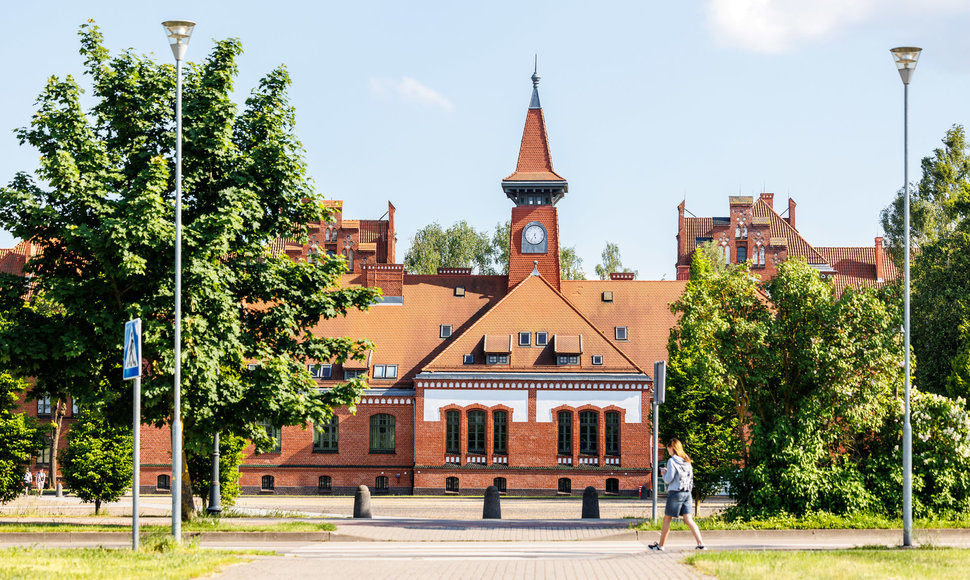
(534, 234)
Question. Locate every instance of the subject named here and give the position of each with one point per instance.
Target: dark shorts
(678, 504)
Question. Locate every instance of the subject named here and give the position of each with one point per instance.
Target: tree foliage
(101, 206)
(96, 464)
(21, 437)
(501, 239)
(460, 246)
(570, 264)
(810, 376)
(611, 262)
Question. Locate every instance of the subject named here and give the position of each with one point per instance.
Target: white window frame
(468, 359)
(444, 331)
(545, 338)
(525, 339)
(597, 359)
(621, 333)
(385, 372)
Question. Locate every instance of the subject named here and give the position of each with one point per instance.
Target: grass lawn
(196, 526)
(94, 563)
(820, 521)
(859, 564)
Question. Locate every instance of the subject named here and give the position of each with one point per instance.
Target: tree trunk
(188, 506)
(60, 409)
(97, 506)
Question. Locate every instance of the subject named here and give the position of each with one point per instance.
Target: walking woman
(679, 477)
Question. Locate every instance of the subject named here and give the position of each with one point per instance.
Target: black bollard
(591, 504)
(492, 509)
(362, 503)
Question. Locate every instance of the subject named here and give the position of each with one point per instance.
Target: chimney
(391, 236)
(791, 213)
(769, 199)
(681, 234)
(879, 274)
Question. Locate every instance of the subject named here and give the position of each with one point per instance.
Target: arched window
(727, 253)
(565, 419)
(612, 433)
(500, 432)
(476, 432)
(452, 432)
(163, 482)
(382, 433)
(326, 235)
(588, 435)
(451, 485)
(324, 483)
(381, 483)
(612, 485)
(744, 232)
(350, 260)
(565, 485)
(268, 483)
(761, 255)
(499, 483)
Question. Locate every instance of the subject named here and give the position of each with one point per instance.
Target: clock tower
(535, 188)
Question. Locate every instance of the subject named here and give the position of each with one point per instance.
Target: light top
(179, 32)
(905, 58)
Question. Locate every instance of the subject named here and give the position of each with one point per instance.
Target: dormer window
(497, 359)
(385, 371)
(525, 338)
(567, 359)
(542, 338)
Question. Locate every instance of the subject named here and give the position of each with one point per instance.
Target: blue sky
(423, 103)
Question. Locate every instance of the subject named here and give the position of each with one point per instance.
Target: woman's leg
(689, 520)
(664, 530)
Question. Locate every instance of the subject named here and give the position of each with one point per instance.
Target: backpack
(685, 474)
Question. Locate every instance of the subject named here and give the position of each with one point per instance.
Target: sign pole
(136, 460)
(659, 394)
(131, 369)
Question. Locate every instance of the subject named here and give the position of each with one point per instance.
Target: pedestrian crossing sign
(132, 358)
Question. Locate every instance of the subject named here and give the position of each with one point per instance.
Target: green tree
(230, 458)
(611, 262)
(810, 376)
(570, 264)
(96, 464)
(21, 437)
(500, 246)
(460, 246)
(939, 203)
(101, 206)
(700, 409)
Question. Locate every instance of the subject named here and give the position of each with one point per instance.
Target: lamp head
(905, 58)
(179, 32)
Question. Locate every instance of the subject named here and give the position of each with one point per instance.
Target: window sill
(331, 451)
(383, 452)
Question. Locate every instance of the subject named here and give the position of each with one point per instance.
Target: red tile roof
(535, 161)
(857, 267)
(12, 260)
(534, 306)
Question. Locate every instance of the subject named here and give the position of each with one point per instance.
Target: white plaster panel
(435, 399)
(546, 401)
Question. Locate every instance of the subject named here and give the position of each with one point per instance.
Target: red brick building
(754, 232)
(526, 381)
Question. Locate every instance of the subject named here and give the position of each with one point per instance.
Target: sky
(646, 103)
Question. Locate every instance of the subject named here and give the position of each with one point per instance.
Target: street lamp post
(215, 507)
(178, 32)
(905, 58)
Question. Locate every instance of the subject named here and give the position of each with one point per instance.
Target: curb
(70, 537)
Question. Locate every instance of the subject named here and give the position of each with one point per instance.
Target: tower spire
(534, 103)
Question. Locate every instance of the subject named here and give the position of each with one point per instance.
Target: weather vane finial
(535, 73)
